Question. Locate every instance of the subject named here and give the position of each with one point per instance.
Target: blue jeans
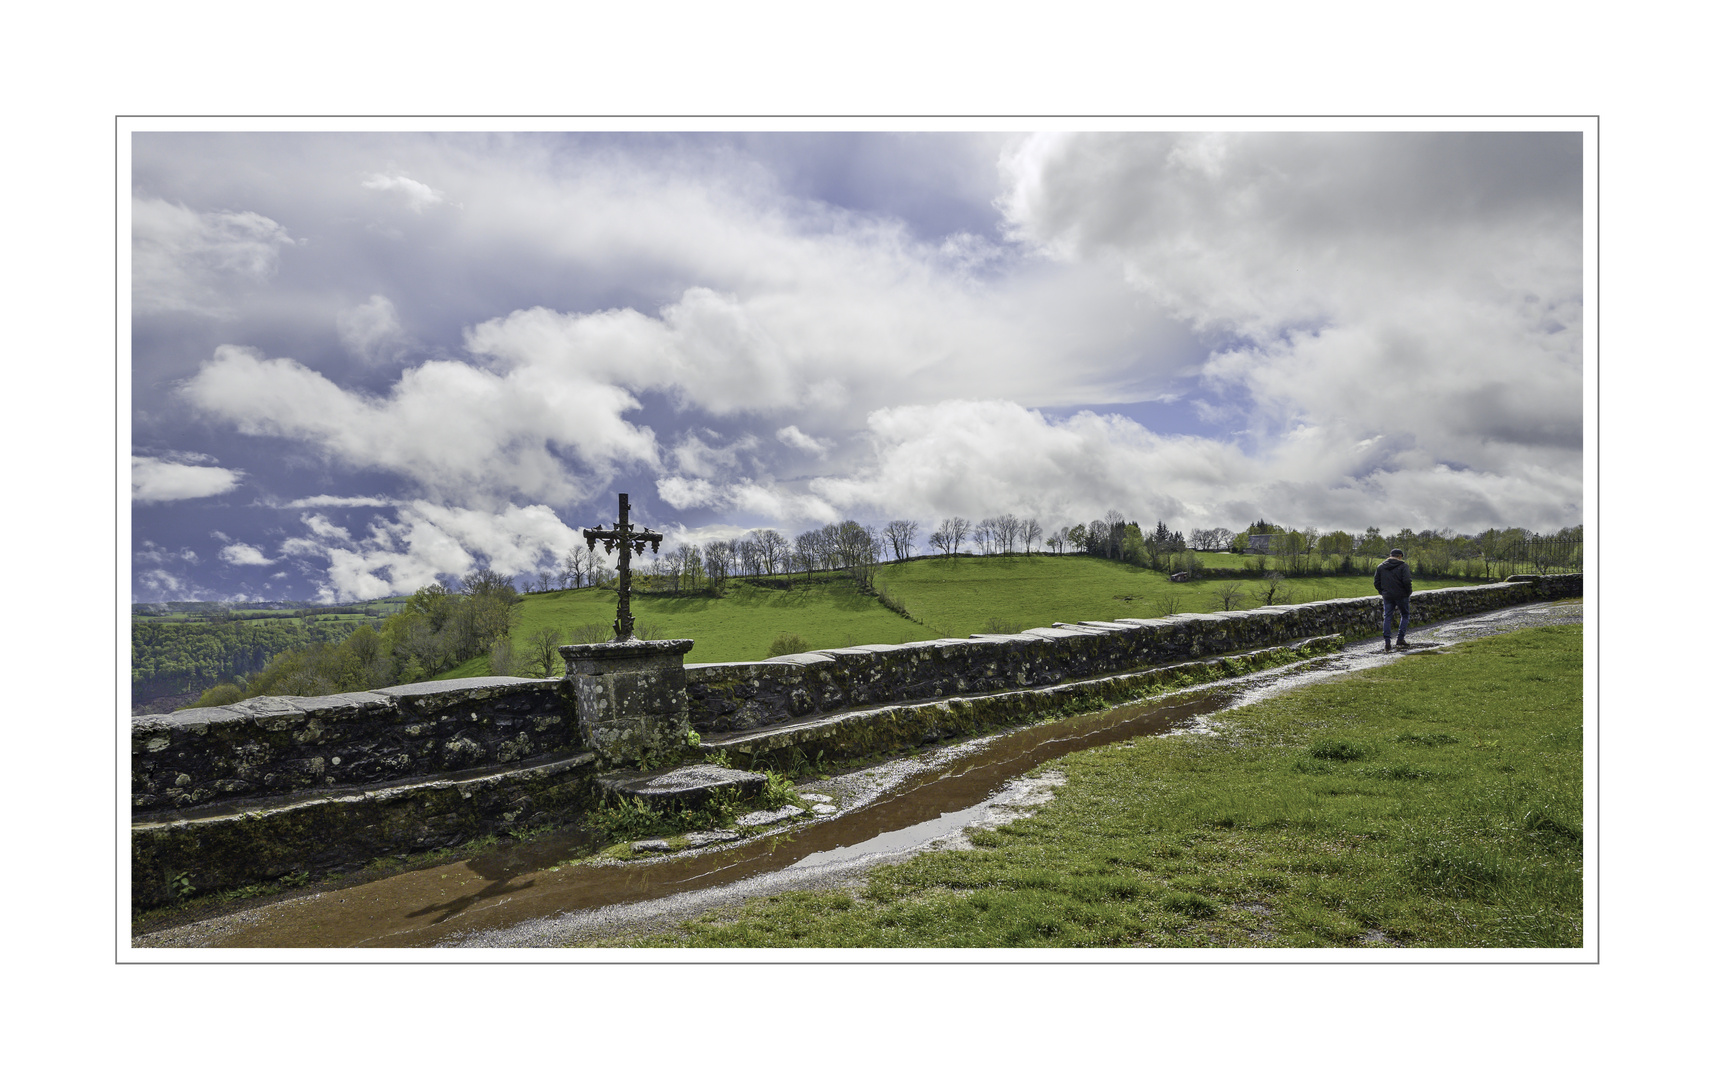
(1389, 605)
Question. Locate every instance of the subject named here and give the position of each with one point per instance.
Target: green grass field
(961, 596)
(946, 598)
(1435, 802)
(738, 626)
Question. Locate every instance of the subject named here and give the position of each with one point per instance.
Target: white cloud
(157, 585)
(460, 432)
(791, 436)
(417, 195)
(982, 458)
(183, 260)
(151, 552)
(244, 555)
(1389, 333)
(314, 501)
(427, 542)
(681, 493)
(324, 529)
(697, 457)
(1424, 286)
(154, 480)
(371, 332)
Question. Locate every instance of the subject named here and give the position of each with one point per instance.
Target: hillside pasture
(958, 597)
(945, 598)
(829, 613)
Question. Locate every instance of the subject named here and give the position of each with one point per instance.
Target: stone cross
(628, 537)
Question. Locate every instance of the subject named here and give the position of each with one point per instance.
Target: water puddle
(522, 895)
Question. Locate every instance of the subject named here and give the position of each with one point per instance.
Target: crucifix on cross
(628, 537)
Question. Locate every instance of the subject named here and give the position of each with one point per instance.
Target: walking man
(1393, 581)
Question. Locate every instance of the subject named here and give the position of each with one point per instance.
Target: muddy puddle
(522, 894)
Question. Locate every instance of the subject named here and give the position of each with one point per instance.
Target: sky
(362, 362)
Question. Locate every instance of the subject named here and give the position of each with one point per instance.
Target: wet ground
(526, 895)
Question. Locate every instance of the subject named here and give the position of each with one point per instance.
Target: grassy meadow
(1435, 802)
(740, 625)
(944, 598)
(958, 597)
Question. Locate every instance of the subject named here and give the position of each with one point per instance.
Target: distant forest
(181, 648)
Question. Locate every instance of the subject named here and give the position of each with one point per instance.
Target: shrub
(500, 661)
(787, 644)
(220, 694)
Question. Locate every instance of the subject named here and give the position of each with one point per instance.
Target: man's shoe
(1387, 646)
(1402, 643)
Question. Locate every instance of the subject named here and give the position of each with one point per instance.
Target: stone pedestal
(630, 695)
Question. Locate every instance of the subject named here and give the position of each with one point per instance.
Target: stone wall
(271, 746)
(248, 792)
(745, 697)
(278, 746)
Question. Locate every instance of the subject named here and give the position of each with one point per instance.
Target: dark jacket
(1393, 579)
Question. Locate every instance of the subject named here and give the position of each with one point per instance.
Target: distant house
(1258, 543)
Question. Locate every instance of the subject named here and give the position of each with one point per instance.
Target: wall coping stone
(415, 695)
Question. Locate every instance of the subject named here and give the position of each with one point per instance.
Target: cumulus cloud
(371, 332)
(185, 260)
(312, 501)
(154, 480)
(1360, 329)
(457, 430)
(151, 552)
(791, 436)
(159, 585)
(417, 195)
(1425, 286)
(244, 555)
(424, 542)
(981, 458)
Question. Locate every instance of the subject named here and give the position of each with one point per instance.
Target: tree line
(849, 547)
(441, 627)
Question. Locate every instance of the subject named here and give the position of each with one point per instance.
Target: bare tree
(950, 537)
(775, 551)
(1229, 593)
(542, 652)
(899, 534)
(575, 571)
(859, 549)
(959, 529)
(1032, 533)
(718, 558)
(671, 564)
(983, 535)
(1273, 589)
(805, 551)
